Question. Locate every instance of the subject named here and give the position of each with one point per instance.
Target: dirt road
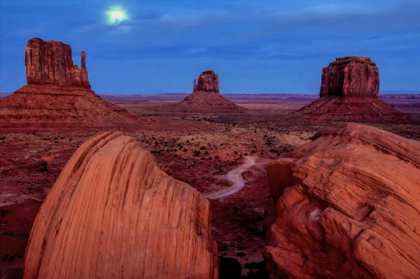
(234, 176)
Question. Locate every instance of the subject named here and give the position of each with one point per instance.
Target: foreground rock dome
(112, 213)
(347, 206)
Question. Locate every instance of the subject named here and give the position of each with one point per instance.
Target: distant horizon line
(263, 93)
(383, 92)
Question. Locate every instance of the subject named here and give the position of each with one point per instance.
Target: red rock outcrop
(58, 91)
(51, 62)
(206, 98)
(350, 76)
(112, 213)
(347, 206)
(349, 92)
(208, 81)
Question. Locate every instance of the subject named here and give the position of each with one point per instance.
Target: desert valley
(205, 185)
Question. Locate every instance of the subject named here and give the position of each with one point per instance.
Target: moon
(116, 15)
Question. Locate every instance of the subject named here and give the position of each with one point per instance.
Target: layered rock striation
(206, 97)
(58, 91)
(112, 213)
(347, 206)
(349, 92)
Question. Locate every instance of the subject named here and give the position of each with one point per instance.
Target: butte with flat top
(206, 97)
(349, 92)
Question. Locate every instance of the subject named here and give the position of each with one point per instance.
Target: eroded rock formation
(58, 91)
(112, 213)
(51, 62)
(206, 98)
(207, 81)
(350, 76)
(349, 91)
(347, 206)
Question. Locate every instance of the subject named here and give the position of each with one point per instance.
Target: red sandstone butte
(112, 213)
(50, 62)
(208, 81)
(349, 92)
(206, 97)
(58, 91)
(350, 76)
(347, 206)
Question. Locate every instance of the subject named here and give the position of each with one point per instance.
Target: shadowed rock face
(50, 62)
(350, 76)
(208, 81)
(112, 213)
(348, 206)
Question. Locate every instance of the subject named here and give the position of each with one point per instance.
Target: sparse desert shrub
(240, 254)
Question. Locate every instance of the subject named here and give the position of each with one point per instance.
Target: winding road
(234, 176)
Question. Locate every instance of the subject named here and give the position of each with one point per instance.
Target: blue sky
(255, 46)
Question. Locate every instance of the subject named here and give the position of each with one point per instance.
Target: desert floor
(197, 149)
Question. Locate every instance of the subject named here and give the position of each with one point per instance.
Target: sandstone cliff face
(349, 91)
(50, 62)
(348, 206)
(113, 213)
(208, 81)
(350, 76)
(206, 97)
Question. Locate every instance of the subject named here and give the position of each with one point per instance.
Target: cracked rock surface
(347, 206)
